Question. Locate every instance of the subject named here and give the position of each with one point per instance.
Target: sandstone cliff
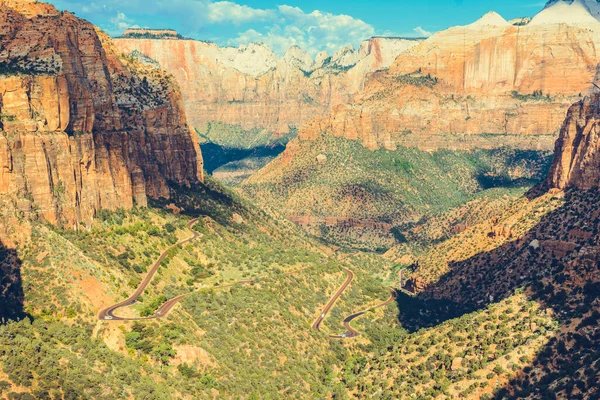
(250, 86)
(487, 77)
(577, 159)
(82, 129)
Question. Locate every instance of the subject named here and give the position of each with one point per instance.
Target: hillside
(355, 197)
(441, 266)
(486, 86)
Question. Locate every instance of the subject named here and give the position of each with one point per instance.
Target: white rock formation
(492, 18)
(575, 12)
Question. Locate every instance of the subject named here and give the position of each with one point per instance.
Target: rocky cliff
(250, 86)
(487, 77)
(83, 130)
(577, 160)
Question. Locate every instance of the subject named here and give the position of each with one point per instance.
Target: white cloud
(120, 22)
(313, 31)
(277, 27)
(226, 11)
(422, 32)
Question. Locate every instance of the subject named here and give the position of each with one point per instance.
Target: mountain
(573, 7)
(251, 87)
(577, 159)
(489, 86)
(487, 77)
(82, 129)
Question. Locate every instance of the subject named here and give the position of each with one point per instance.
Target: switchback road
(350, 332)
(317, 324)
(108, 313)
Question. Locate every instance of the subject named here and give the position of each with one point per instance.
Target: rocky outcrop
(151, 33)
(251, 87)
(487, 77)
(577, 159)
(83, 130)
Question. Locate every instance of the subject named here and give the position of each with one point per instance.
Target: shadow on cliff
(11, 286)
(216, 156)
(562, 275)
(209, 199)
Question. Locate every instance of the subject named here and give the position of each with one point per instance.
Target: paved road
(350, 331)
(108, 313)
(317, 324)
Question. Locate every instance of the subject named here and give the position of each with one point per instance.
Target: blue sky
(310, 24)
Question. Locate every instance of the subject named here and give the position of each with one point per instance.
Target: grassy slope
(249, 341)
(477, 270)
(395, 187)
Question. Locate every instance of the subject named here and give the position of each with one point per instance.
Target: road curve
(350, 331)
(108, 313)
(317, 324)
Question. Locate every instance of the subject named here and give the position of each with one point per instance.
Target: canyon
(252, 87)
(82, 129)
(487, 77)
(427, 162)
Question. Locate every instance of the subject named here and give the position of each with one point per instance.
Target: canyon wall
(83, 130)
(487, 77)
(577, 160)
(251, 87)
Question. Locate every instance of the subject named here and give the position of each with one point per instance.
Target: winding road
(108, 313)
(350, 332)
(317, 324)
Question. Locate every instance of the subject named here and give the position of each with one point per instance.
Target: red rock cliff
(488, 77)
(252, 87)
(577, 159)
(83, 130)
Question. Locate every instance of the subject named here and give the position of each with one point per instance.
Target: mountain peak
(345, 57)
(30, 8)
(298, 58)
(572, 12)
(492, 18)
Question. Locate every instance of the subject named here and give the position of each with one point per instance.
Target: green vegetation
(537, 95)
(417, 79)
(393, 188)
(150, 35)
(236, 137)
(26, 66)
(255, 341)
(237, 153)
(7, 118)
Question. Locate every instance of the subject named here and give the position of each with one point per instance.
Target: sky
(313, 25)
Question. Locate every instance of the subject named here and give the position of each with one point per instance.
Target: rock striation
(486, 77)
(577, 159)
(251, 87)
(82, 129)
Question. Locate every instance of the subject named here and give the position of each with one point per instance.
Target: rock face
(577, 159)
(251, 87)
(558, 6)
(487, 77)
(83, 130)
